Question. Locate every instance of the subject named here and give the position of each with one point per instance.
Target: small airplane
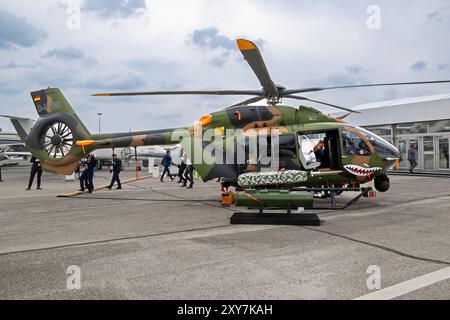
(350, 156)
(12, 148)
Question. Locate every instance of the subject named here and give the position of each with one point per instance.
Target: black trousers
(90, 180)
(84, 180)
(181, 169)
(115, 178)
(189, 175)
(33, 172)
(412, 164)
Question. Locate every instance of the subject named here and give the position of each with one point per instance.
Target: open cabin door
(319, 150)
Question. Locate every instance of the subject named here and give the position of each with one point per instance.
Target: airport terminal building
(423, 122)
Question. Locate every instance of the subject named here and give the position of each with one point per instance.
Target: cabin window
(354, 145)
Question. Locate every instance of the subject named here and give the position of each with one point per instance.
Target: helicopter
(220, 145)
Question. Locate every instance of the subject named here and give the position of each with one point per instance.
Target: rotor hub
(56, 140)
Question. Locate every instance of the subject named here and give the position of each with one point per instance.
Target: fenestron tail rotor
(270, 91)
(57, 140)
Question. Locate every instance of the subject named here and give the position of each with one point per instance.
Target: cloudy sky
(166, 44)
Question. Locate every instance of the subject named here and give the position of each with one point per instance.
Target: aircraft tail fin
(53, 137)
(22, 125)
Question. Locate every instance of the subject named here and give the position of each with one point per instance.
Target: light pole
(99, 121)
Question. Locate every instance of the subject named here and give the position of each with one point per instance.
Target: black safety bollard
(1, 174)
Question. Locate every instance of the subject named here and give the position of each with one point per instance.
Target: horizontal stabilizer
(22, 125)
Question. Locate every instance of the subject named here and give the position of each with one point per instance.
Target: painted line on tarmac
(148, 200)
(408, 286)
(77, 193)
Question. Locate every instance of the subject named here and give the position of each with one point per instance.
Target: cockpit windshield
(354, 144)
(383, 148)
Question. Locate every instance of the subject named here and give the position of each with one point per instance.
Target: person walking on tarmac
(166, 162)
(35, 169)
(188, 174)
(182, 166)
(84, 173)
(91, 166)
(116, 168)
(412, 158)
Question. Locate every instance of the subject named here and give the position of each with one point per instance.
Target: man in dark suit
(116, 165)
(412, 157)
(182, 166)
(91, 166)
(35, 169)
(84, 173)
(166, 162)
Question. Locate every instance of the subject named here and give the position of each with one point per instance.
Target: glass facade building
(430, 138)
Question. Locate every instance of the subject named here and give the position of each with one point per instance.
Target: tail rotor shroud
(57, 140)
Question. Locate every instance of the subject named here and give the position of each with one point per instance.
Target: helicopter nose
(392, 152)
(391, 157)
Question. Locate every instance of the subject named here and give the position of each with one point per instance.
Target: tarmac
(154, 240)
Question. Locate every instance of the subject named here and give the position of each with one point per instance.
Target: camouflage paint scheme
(53, 107)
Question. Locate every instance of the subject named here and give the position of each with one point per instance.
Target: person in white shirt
(188, 174)
(311, 158)
(182, 166)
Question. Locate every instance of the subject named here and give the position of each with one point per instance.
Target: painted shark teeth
(361, 171)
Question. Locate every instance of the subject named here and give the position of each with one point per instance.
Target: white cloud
(306, 43)
(112, 9)
(17, 32)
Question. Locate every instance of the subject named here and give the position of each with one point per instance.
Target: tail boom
(60, 139)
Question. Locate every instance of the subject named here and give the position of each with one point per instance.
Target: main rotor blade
(181, 92)
(254, 58)
(248, 101)
(321, 102)
(292, 91)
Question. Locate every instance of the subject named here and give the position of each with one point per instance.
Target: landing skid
(364, 192)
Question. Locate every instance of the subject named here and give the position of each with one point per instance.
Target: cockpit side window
(354, 145)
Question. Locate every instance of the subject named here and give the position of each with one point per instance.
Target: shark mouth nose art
(361, 171)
